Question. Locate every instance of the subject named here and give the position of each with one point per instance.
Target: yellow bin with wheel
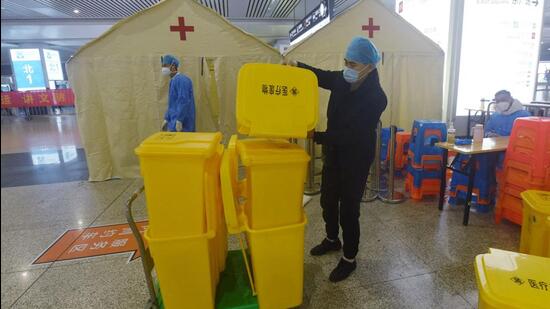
(512, 280)
(278, 264)
(275, 175)
(535, 230)
(173, 166)
(187, 234)
(277, 254)
(187, 269)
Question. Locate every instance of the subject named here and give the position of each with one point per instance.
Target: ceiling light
(76, 11)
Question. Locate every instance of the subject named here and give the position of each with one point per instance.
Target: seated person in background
(507, 109)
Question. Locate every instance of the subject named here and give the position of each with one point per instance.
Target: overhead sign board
(27, 68)
(315, 20)
(53, 65)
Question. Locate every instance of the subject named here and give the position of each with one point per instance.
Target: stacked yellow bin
(274, 103)
(187, 233)
(512, 280)
(275, 175)
(535, 230)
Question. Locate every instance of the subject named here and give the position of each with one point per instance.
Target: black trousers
(341, 192)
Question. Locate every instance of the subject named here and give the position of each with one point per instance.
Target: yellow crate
(186, 268)
(512, 280)
(275, 176)
(535, 230)
(173, 166)
(276, 101)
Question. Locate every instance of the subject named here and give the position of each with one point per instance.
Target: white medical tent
(121, 96)
(411, 70)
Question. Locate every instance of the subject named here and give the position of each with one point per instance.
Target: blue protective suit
(502, 124)
(181, 104)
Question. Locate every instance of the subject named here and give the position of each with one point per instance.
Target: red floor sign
(93, 241)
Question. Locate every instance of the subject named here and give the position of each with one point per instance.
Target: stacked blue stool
(484, 182)
(424, 158)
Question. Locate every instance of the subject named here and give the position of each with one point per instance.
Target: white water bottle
(451, 133)
(478, 133)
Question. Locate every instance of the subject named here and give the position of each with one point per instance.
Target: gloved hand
(289, 62)
(179, 126)
(164, 125)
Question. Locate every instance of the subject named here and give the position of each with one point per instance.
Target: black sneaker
(342, 271)
(326, 246)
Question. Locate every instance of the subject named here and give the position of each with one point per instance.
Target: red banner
(58, 97)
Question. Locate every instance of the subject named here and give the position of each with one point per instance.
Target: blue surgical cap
(169, 59)
(362, 50)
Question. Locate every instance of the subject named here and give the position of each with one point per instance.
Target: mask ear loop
(363, 70)
(509, 105)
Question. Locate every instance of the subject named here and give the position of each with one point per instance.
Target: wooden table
(489, 145)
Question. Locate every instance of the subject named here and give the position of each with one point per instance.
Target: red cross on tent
(182, 28)
(370, 27)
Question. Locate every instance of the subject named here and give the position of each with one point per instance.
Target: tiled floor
(45, 149)
(41, 132)
(411, 254)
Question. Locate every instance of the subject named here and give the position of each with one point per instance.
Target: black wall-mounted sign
(322, 12)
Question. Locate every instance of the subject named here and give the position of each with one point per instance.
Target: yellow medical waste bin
(173, 166)
(186, 269)
(188, 266)
(213, 202)
(512, 280)
(276, 101)
(278, 264)
(277, 254)
(535, 230)
(275, 176)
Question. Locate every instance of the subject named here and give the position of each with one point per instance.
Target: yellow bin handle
(229, 185)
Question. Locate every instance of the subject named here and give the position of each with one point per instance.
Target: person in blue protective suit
(356, 103)
(507, 109)
(180, 115)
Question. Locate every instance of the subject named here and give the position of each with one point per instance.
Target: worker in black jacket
(356, 103)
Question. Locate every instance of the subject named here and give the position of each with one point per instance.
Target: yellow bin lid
(537, 200)
(276, 101)
(513, 280)
(269, 151)
(180, 143)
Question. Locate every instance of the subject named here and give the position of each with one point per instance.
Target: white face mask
(502, 106)
(352, 76)
(165, 71)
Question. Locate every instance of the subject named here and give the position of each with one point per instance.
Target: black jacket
(352, 117)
